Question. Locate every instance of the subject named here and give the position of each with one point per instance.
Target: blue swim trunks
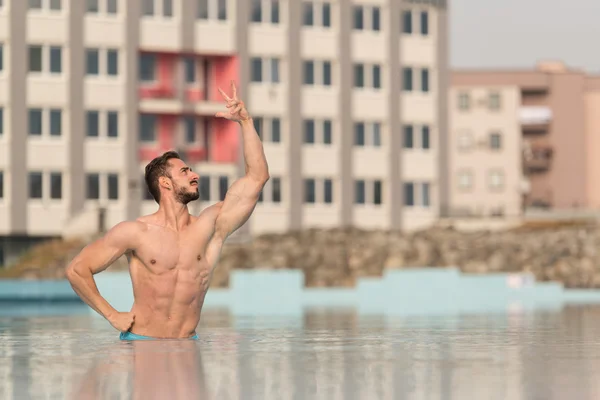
(133, 336)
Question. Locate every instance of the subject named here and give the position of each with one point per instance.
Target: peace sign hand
(237, 111)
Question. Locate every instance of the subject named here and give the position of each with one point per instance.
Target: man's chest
(168, 251)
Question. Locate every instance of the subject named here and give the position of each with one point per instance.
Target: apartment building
(485, 145)
(523, 138)
(349, 98)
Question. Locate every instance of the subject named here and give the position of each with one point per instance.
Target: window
(190, 129)
(408, 136)
(376, 134)
(465, 179)
(190, 69)
(463, 101)
(495, 141)
(359, 134)
(147, 67)
(407, 79)
(1, 184)
(167, 8)
(309, 72)
(276, 130)
(256, 14)
(92, 57)
(272, 11)
(425, 194)
(35, 185)
(1, 56)
(92, 123)
(496, 179)
(202, 9)
(309, 191)
(112, 124)
(494, 101)
(425, 140)
(35, 122)
(55, 60)
(55, 122)
(359, 75)
(376, 21)
(222, 8)
(111, 6)
(465, 141)
(376, 77)
(309, 131)
(274, 70)
(407, 22)
(307, 13)
(328, 191)
(327, 132)
(113, 186)
(377, 192)
(258, 126)
(358, 18)
(204, 188)
(359, 192)
(276, 190)
(147, 128)
(223, 186)
(327, 73)
(256, 70)
(35, 58)
(112, 62)
(424, 23)
(55, 5)
(35, 4)
(326, 15)
(92, 186)
(92, 6)
(1, 121)
(147, 7)
(425, 80)
(409, 194)
(55, 185)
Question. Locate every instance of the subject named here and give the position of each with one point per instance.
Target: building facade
(349, 98)
(546, 132)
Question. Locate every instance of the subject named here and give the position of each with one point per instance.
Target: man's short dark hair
(155, 169)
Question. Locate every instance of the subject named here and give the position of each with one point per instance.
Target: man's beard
(184, 196)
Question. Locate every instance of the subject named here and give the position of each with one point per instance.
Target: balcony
(537, 157)
(535, 118)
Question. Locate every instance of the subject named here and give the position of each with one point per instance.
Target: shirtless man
(171, 253)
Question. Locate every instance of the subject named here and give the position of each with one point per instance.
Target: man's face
(185, 182)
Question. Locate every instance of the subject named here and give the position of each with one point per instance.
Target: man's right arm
(95, 258)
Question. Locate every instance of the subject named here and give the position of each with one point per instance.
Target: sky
(519, 33)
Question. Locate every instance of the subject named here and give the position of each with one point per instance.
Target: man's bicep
(101, 253)
(239, 203)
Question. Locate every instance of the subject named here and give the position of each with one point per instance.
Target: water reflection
(327, 354)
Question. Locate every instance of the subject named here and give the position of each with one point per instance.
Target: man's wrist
(246, 121)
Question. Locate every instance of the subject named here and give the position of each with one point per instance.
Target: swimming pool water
(324, 354)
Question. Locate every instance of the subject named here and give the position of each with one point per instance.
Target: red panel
(164, 85)
(225, 142)
(194, 94)
(148, 153)
(196, 154)
(166, 132)
(225, 69)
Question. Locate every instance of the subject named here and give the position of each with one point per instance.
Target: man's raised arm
(242, 196)
(95, 258)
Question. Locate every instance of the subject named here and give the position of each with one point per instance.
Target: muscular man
(171, 253)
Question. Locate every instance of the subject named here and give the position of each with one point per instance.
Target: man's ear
(164, 182)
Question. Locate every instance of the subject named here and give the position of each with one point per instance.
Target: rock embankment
(337, 257)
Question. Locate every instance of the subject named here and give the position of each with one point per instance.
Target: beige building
(348, 96)
(523, 139)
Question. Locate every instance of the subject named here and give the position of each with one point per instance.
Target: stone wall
(337, 257)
